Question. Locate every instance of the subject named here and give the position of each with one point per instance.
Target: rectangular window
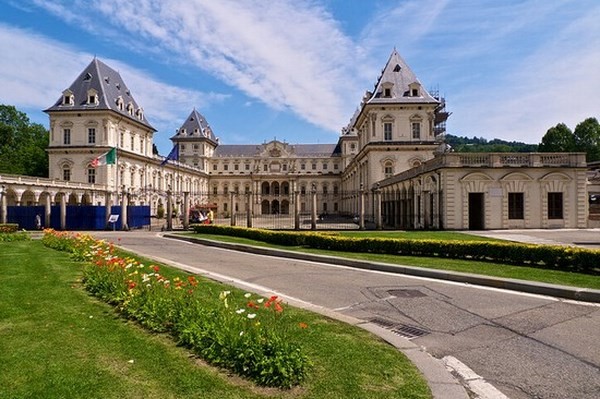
(387, 131)
(225, 167)
(91, 135)
(336, 166)
(265, 168)
(388, 171)
(416, 130)
(122, 140)
(516, 206)
(215, 190)
(314, 166)
(91, 175)
(325, 166)
(132, 143)
(67, 174)
(325, 190)
(247, 167)
(215, 167)
(67, 136)
(303, 190)
(303, 166)
(555, 205)
(284, 167)
(236, 167)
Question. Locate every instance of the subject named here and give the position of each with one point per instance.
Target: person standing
(38, 222)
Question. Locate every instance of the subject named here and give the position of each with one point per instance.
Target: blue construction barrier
(78, 217)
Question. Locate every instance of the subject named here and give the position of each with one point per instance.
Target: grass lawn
(57, 341)
(459, 265)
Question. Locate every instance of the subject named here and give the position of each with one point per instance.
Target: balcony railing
(494, 160)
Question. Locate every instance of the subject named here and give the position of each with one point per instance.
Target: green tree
(22, 144)
(558, 139)
(587, 138)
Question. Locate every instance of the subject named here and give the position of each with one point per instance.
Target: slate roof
(109, 85)
(300, 150)
(195, 126)
(397, 72)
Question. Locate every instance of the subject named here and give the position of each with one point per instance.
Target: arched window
(388, 169)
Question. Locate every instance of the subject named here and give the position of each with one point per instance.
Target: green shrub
(579, 260)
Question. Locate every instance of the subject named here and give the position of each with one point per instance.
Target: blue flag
(173, 155)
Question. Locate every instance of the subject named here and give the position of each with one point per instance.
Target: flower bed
(242, 333)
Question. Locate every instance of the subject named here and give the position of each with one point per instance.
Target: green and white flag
(108, 158)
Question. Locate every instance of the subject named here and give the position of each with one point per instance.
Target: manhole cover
(406, 293)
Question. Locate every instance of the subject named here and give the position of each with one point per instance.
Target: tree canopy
(585, 138)
(22, 144)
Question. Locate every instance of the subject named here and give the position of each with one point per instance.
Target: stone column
(249, 209)
(296, 210)
(47, 211)
(63, 211)
(186, 210)
(107, 206)
(3, 207)
(313, 209)
(361, 208)
(377, 200)
(232, 205)
(169, 210)
(124, 203)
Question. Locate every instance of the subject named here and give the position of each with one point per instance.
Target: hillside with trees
(475, 144)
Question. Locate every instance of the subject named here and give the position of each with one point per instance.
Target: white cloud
(39, 69)
(557, 82)
(287, 54)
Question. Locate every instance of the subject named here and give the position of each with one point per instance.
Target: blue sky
(296, 70)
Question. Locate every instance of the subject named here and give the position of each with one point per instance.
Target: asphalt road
(527, 346)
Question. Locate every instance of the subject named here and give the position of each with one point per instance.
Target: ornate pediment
(275, 149)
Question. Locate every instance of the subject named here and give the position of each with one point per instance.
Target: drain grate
(403, 330)
(409, 332)
(383, 323)
(406, 293)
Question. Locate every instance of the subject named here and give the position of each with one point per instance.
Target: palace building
(389, 166)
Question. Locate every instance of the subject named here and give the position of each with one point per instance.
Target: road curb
(559, 291)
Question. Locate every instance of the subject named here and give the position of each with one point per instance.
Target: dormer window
(414, 89)
(139, 113)
(130, 108)
(386, 91)
(68, 98)
(120, 103)
(92, 97)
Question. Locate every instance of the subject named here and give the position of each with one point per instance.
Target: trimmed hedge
(580, 260)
